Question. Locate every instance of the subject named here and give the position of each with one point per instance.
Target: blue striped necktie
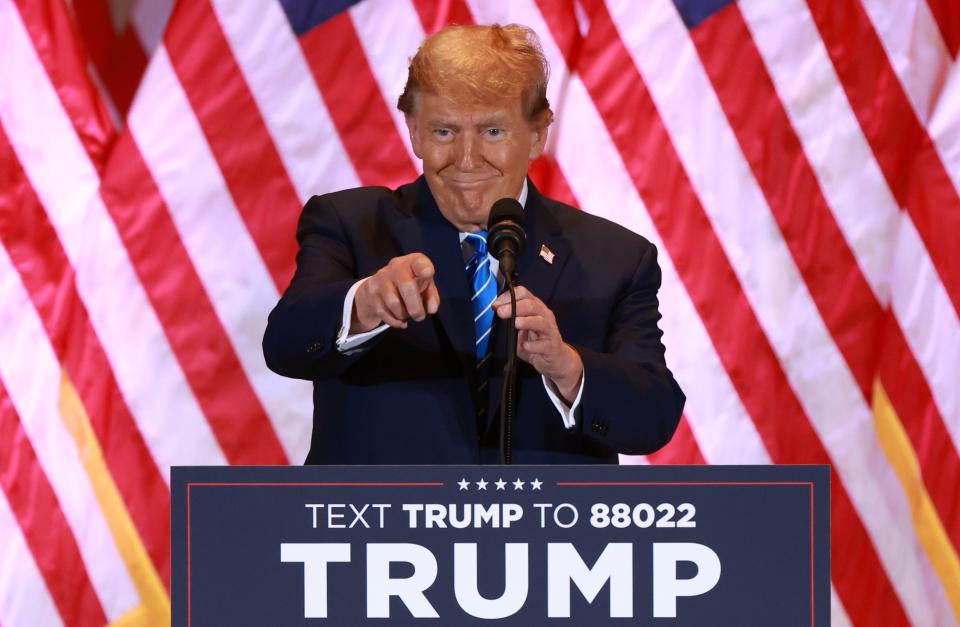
(484, 292)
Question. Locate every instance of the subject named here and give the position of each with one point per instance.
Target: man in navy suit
(381, 314)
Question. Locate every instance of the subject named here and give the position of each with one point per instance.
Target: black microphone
(505, 240)
(505, 234)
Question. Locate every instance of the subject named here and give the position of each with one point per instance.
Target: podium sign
(521, 545)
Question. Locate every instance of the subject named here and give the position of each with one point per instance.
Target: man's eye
(442, 132)
(494, 132)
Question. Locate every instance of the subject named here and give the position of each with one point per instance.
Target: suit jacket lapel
(424, 229)
(536, 274)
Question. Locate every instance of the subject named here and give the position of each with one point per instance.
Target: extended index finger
(420, 296)
(422, 269)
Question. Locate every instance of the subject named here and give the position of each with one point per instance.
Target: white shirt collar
(523, 193)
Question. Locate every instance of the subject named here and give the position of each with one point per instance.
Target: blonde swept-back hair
(481, 65)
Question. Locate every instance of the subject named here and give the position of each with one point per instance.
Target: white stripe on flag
(814, 366)
(838, 614)
(916, 50)
(67, 184)
(929, 321)
(811, 93)
(24, 598)
(944, 125)
(714, 409)
(390, 32)
(32, 380)
(930, 77)
(884, 240)
(221, 249)
(289, 100)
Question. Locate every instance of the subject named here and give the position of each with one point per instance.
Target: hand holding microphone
(539, 342)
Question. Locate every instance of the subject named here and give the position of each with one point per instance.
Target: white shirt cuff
(345, 341)
(567, 414)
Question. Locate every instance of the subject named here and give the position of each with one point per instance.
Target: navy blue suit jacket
(406, 397)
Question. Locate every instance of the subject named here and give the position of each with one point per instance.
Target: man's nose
(469, 157)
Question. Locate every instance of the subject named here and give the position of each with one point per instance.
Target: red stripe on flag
(564, 29)
(35, 250)
(681, 449)
(125, 69)
(830, 270)
(58, 46)
(911, 397)
(241, 143)
(196, 334)
(947, 15)
(96, 27)
(906, 154)
(549, 179)
(119, 58)
(44, 526)
(631, 117)
(435, 14)
(356, 104)
(818, 246)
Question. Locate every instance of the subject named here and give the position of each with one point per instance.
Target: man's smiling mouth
(469, 183)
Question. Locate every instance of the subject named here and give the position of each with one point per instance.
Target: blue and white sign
(522, 545)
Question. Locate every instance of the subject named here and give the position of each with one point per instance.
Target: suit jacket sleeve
(300, 340)
(631, 402)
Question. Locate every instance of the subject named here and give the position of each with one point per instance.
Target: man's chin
(474, 208)
(468, 209)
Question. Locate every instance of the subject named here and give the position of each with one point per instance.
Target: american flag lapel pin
(546, 253)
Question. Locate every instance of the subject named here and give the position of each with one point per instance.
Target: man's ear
(413, 127)
(540, 129)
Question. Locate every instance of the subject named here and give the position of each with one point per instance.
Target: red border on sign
(564, 484)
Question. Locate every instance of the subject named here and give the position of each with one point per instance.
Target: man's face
(472, 155)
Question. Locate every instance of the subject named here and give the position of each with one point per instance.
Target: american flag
(796, 162)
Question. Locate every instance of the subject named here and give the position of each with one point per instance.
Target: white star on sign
(518, 485)
(501, 484)
(464, 484)
(482, 484)
(535, 484)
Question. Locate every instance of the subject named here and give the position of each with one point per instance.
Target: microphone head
(505, 209)
(504, 228)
